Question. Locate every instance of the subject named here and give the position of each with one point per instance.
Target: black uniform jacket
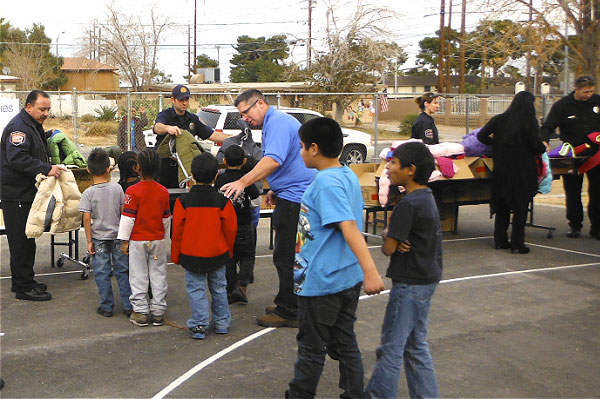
(24, 154)
(575, 119)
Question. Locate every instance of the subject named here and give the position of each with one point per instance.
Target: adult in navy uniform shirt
(577, 115)
(24, 154)
(171, 121)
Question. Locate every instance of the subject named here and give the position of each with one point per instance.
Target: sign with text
(9, 107)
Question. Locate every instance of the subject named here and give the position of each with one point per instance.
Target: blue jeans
(403, 336)
(196, 289)
(101, 262)
(326, 326)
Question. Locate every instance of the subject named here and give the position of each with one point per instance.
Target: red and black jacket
(204, 230)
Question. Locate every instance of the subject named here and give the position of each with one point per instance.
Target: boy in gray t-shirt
(101, 207)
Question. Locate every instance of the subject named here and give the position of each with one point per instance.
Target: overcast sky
(220, 23)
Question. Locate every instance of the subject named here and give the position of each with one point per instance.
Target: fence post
(75, 113)
(128, 139)
(376, 127)
(543, 107)
(278, 100)
(160, 100)
(466, 114)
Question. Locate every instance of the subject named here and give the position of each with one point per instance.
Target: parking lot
(501, 325)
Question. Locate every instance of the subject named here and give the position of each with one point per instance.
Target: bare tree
(357, 55)
(131, 44)
(29, 63)
(581, 15)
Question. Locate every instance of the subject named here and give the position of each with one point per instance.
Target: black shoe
(104, 313)
(39, 286)
(521, 250)
(127, 312)
(1, 383)
(504, 245)
(34, 295)
(573, 233)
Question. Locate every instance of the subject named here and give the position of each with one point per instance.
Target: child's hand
(384, 234)
(125, 247)
(270, 198)
(403, 246)
(90, 248)
(373, 283)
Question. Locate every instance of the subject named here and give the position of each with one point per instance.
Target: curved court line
(252, 337)
(208, 361)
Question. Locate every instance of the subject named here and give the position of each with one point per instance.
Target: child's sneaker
(158, 320)
(139, 319)
(198, 332)
(221, 330)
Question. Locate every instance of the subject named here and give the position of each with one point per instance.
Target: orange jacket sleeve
(229, 223)
(177, 235)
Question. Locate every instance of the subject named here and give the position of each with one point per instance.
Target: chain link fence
(107, 119)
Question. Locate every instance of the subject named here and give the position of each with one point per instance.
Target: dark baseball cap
(180, 92)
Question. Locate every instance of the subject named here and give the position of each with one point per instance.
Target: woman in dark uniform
(424, 127)
(515, 138)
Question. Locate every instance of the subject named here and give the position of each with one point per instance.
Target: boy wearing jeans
(101, 207)
(414, 243)
(204, 229)
(329, 228)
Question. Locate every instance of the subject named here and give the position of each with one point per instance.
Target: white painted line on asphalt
(258, 334)
(208, 361)
(564, 250)
(48, 274)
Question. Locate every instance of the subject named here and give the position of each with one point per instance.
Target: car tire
(353, 153)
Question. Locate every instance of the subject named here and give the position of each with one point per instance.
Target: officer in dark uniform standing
(577, 115)
(172, 121)
(25, 153)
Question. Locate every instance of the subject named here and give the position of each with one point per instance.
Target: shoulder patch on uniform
(17, 138)
(127, 199)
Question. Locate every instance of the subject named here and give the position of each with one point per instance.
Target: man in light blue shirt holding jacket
(288, 178)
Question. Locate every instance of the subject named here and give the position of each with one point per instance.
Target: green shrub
(106, 113)
(102, 129)
(88, 118)
(407, 122)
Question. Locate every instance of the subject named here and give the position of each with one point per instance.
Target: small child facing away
(414, 243)
(332, 261)
(244, 251)
(101, 207)
(145, 224)
(204, 230)
(128, 169)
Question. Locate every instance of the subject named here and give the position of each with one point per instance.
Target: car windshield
(209, 117)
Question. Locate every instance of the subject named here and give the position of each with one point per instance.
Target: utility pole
(463, 37)
(441, 53)
(99, 42)
(308, 45)
(189, 74)
(195, 1)
(448, 80)
(528, 55)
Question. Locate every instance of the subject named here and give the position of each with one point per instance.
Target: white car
(358, 146)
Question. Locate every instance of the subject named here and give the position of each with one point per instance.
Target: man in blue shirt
(288, 178)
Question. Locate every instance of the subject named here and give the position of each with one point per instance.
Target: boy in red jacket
(201, 214)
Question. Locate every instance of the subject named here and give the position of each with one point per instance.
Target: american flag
(384, 101)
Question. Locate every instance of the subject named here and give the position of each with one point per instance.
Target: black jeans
(21, 248)
(572, 185)
(244, 254)
(326, 326)
(285, 220)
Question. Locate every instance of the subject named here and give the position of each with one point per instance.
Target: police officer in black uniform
(577, 115)
(172, 121)
(25, 153)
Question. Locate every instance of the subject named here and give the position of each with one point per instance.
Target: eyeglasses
(245, 112)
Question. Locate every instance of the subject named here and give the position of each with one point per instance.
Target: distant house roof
(83, 64)
(9, 79)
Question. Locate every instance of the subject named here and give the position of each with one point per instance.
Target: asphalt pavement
(501, 325)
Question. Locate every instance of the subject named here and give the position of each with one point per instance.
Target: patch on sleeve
(127, 199)
(17, 138)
